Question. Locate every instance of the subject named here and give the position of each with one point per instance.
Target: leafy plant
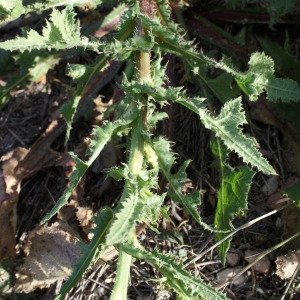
(145, 34)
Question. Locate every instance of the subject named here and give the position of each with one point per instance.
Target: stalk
(136, 157)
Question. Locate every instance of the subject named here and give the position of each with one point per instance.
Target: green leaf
(89, 252)
(137, 204)
(293, 192)
(253, 81)
(284, 89)
(166, 161)
(232, 194)
(278, 8)
(79, 170)
(129, 212)
(182, 282)
(32, 66)
(221, 86)
(286, 64)
(101, 136)
(61, 32)
(10, 10)
(226, 126)
(172, 42)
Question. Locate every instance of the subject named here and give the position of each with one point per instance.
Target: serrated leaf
(161, 95)
(127, 216)
(221, 86)
(284, 89)
(232, 194)
(32, 67)
(253, 81)
(101, 135)
(79, 171)
(89, 252)
(172, 42)
(61, 32)
(10, 10)
(137, 204)
(226, 126)
(278, 8)
(184, 284)
(166, 161)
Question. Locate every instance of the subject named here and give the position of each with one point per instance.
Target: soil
(30, 120)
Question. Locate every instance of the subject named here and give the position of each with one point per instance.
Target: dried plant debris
(51, 254)
(287, 264)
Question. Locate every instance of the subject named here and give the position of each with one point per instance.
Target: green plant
(144, 35)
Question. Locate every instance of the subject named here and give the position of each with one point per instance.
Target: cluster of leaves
(150, 155)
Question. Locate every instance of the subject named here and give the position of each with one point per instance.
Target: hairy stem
(122, 277)
(135, 164)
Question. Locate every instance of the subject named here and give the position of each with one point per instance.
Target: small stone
(262, 266)
(232, 259)
(270, 186)
(228, 273)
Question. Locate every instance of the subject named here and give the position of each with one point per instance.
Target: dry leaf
(10, 187)
(52, 252)
(287, 264)
(85, 217)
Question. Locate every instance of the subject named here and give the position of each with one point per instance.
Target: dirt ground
(32, 139)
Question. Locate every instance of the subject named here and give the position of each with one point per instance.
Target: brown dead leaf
(52, 252)
(287, 264)
(85, 217)
(68, 215)
(10, 185)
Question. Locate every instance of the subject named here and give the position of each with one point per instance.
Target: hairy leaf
(137, 204)
(184, 284)
(101, 136)
(232, 194)
(61, 32)
(89, 252)
(10, 10)
(172, 42)
(166, 161)
(226, 126)
(277, 9)
(32, 67)
(79, 171)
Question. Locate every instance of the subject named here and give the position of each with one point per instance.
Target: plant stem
(135, 163)
(122, 277)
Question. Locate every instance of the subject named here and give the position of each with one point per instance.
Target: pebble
(262, 266)
(232, 259)
(228, 273)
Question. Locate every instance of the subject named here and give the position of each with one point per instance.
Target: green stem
(122, 277)
(136, 158)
